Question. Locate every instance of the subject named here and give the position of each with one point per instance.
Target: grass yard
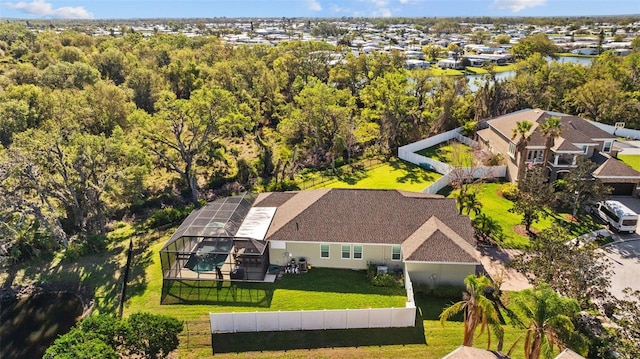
(428, 339)
(395, 174)
(631, 160)
(497, 207)
(321, 288)
(442, 151)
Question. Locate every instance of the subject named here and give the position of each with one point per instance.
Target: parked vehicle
(617, 216)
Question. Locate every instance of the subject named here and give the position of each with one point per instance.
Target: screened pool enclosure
(222, 241)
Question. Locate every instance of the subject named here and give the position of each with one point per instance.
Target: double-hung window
(395, 253)
(357, 252)
(346, 251)
(324, 251)
(606, 147)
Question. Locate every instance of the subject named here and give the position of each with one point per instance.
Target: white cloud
(314, 5)
(404, 1)
(45, 9)
(381, 9)
(517, 5)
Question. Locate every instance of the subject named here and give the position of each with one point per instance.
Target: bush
(168, 215)
(509, 191)
(381, 279)
(495, 160)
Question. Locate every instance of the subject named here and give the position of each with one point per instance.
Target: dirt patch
(522, 230)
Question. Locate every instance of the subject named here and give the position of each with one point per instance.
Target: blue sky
(104, 9)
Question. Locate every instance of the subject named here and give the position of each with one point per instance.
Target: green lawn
(395, 174)
(631, 160)
(497, 207)
(320, 288)
(428, 339)
(442, 151)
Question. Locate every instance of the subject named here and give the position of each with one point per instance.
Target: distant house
(242, 237)
(416, 64)
(585, 51)
(578, 138)
(451, 64)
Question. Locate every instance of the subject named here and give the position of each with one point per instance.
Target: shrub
(168, 215)
(381, 279)
(444, 291)
(509, 191)
(495, 160)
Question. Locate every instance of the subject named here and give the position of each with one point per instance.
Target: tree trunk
(193, 186)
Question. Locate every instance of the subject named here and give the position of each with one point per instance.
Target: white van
(617, 215)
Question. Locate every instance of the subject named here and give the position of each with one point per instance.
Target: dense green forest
(97, 129)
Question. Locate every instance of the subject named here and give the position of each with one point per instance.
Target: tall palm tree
(522, 129)
(551, 128)
(477, 310)
(549, 319)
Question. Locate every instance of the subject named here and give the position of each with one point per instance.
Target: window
(512, 149)
(324, 251)
(585, 149)
(346, 251)
(606, 147)
(357, 252)
(395, 253)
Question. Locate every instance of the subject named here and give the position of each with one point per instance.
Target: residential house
(464, 352)
(350, 228)
(578, 138)
(242, 237)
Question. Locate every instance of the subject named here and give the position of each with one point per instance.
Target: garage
(622, 189)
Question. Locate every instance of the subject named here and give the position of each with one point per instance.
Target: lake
(29, 325)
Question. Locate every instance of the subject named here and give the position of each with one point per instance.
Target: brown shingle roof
(569, 354)
(434, 241)
(574, 129)
(373, 216)
(463, 352)
(612, 168)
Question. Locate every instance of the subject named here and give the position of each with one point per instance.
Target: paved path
(493, 260)
(624, 254)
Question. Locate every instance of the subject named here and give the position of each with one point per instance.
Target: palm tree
(522, 129)
(549, 317)
(551, 129)
(477, 310)
(472, 203)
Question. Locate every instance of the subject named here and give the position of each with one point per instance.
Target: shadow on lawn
(413, 173)
(99, 274)
(241, 294)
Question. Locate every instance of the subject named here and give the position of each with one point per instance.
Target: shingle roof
(569, 354)
(463, 352)
(377, 217)
(574, 129)
(611, 167)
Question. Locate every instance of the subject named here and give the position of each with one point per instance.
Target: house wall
(380, 254)
(496, 143)
(439, 273)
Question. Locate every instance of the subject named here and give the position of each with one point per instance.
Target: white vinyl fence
(408, 153)
(621, 132)
(318, 319)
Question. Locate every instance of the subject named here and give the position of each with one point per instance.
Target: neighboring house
(451, 64)
(242, 237)
(585, 51)
(463, 352)
(578, 138)
(569, 354)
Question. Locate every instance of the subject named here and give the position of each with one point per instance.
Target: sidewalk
(493, 260)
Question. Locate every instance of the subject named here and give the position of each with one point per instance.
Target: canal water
(29, 325)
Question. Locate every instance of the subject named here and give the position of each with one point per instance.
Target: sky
(127, 9)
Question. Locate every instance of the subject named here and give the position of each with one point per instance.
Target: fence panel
(314, 319)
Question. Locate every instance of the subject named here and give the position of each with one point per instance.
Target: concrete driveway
(625, 256)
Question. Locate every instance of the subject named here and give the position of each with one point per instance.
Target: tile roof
(377, 217)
